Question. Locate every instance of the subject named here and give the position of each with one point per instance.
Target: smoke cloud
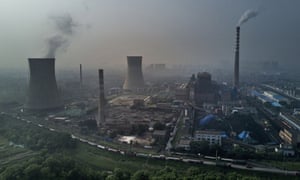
(54, 43)
(65, 27)
(65, 24)
(250, 13)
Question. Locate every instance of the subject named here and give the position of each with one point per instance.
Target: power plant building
(134, 78)
(43, 93)
(204, 89)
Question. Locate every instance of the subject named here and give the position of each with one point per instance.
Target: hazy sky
(162, 31)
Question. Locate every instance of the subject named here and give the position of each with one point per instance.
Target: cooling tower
(42, 93)
(237, 59)
(134, 78)
(101, 103)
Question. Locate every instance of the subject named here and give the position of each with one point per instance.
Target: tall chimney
(134, 78)
(237, 59)
(101, 103)
(43, 92)
(80, 69)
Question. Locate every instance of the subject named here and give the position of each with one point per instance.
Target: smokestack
(134, 78)
(80, 69)
(237, 59)
(43, 92)
(101, 115)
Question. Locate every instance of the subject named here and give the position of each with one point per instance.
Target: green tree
(32, 172)
(141, 175)
(199, 147)
(159, 126)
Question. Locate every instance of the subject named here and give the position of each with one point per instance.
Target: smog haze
(103, 33)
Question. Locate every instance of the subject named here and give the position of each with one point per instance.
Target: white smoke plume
(64, 24)
(54, 43)
(65, 27)
(250, 13)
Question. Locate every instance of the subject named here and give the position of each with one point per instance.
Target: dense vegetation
(63, 167)
(33, 137)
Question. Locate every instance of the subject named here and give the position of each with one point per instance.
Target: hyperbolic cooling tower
(42, 93)
(134, 78)
(237, 59)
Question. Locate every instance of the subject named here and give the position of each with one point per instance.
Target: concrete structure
(212, 137)
(153, 68)
(184, 143)
(43, 92)
(237, 59)
(160, 135)
(204, 89)
(80, 71)
(101, 103)
(134, 78)
(285, 150)
(182, 92)
(290, 129)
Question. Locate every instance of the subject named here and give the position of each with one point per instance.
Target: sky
(190, 32)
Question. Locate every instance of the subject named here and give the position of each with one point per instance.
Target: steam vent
(134, 78)
(42, 93)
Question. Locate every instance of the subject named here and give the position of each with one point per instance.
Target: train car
(195, 161)
(234, 161)
(112, 150)
(239, 162)
(223, 164)
(92, 144)
(173, 158)
(210, 157)
(142, 155)
(100, 146)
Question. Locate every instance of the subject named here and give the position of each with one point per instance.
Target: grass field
(10, 154)
(108, 161)
(288, 165)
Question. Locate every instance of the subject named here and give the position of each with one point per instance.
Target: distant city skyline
(170, 32)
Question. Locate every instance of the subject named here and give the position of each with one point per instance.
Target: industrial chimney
(80, 71)
(134, 78)
(101, 103)
(237, 59)
(42, 93)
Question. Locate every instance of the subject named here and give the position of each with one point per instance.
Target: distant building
(160, 135)
(182, 92)
(205, 91)
(290, 129)
(184, 143)
(156, 68)
(275, 97)
(285, 150)
(212, 137)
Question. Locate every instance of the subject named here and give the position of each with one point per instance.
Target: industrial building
(204, 89)
(182, 92)
(211, 136)
(290, 129)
